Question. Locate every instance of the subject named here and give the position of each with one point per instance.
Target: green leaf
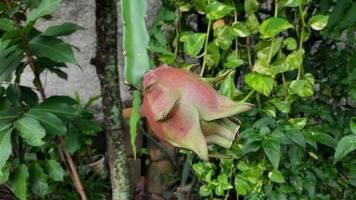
(251, 6)
(233, 61)
(252, 23)
(273, 151)
(135, 41)
(7, 24)
(59, 107)
(241, 186)
(49, 121)
(290, 3)
(262, 84)
(134, 119)
(296, 136)
(321, 137)
(31, 131)
(213, 55)
(241, 29)
(346, 145)
(54, 170)
(273, 26)
(290, 43)
(318, 22)
(10, 59)
(38, 180)
(217, 10)
(52, 48)
(224, 36)
(193, 43)
(4, 175)
(62, 30)
(46, 7)
(261, 66)
(298, 122)
(5, 145)
(18, 182)
(276, 176)
(302, 88)
(353, 124)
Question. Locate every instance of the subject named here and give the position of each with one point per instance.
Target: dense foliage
(293, 60)
(37, 135)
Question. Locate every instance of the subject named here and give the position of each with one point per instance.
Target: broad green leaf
(217, 10)
(298, 122)
(18, 181)
(9, 115)
(227, 88)
(261, 83)
(135, 41)
(5, 145)
(293, 61)
(213, 55)
(49, 121)
(353, 125)
(193, 43)
(276, 176)
(233, 61)
(302, 88)
(224, 36)
(321, 137)
(62, 30)
(261, 66)
(251, 6)
(54, 170)
(59, 107)
(7, 24)
(52, 48)
(318, 22)
(200, 6)
(38, 180)
(241, 29)
(346, 145)
(241, 186)
(265, 52)
(290, 43)
(273, 26)
(46, 7)
(290, 3)
(10, 59)
(272, 149)
(252, 23)
(134, 119)
(31, 131)
(296, 136)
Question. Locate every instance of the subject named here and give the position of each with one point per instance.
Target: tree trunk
(107, 69)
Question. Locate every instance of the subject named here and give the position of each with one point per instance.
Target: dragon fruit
(187, 112)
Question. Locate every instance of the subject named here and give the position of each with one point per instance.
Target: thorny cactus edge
(187, 112)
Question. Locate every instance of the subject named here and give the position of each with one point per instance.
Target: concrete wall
(84, 81)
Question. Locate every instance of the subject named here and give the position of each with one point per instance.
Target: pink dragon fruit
(187, 112)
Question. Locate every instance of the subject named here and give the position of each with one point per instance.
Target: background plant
(294, 60)
(37, 135)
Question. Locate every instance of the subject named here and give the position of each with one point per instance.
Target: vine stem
(38, 84)
(248, 95)
(205, 49)
(273, 38)
(301, 39)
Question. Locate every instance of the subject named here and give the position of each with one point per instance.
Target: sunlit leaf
(193, 43)
(31, 131)
(276, 176)
(318, 22)
(261, 83)
(273, 26)
(217, 10)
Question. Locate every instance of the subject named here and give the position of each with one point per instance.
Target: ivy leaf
(213, 55)
(18, 181)
(31, 131)
(193, 43)
(241, 186)
(298, 122)
(217, 10)
(52, 48)
(54, 170)
(261, 83)
(290, 3)
(5, 145)
(233, 61)
(252, 23)
(49, 121)
(346, 145)
(251, 6)
(273, 26)
(38, 180)
(276, 176)
(62, 30)
(46, 7)
(302, 88)
(290, 43)
(241, 29)
(318, 22)
(272, 149)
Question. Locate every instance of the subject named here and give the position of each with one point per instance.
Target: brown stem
(38, 84)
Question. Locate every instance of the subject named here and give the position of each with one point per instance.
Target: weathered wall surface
(84, 80)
